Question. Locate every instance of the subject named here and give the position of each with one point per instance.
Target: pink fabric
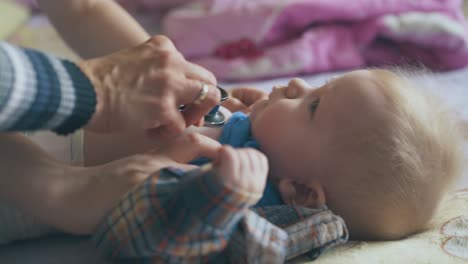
(141, 5)
(308, 36)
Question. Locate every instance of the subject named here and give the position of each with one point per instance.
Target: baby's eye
(314, 105)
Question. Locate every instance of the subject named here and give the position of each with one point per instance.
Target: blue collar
(237, 133)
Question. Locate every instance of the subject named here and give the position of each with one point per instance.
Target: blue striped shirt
(39, 92)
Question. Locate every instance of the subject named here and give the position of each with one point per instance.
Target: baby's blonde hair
(403, 168)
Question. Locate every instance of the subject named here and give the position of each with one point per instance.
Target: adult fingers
(200, 122)
(197, 72)
(189, 147)
(185, 167)
(189, 90)
(171, 124)
(193, 112)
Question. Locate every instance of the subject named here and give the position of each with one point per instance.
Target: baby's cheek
(261, 123)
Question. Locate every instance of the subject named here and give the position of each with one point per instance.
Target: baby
(367, 144)
(382, 152)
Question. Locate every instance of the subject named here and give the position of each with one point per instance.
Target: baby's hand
(243, 170)
(242, 98)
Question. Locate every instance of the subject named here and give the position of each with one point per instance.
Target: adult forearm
(94, 28)
(30, 179)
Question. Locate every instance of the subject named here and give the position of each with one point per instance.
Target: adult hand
(243, 169)
(91, 192)
(143, 87)
(242, 98)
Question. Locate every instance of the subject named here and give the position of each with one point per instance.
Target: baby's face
(299, 128)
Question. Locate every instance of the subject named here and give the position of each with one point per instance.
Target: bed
(446, 242)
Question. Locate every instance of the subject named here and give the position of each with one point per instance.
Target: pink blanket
(250, 39)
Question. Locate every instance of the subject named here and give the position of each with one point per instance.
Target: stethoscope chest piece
(215, 117)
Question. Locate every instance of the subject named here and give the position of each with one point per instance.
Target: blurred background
(22, 23)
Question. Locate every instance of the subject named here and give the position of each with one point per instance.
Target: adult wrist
(95, 123)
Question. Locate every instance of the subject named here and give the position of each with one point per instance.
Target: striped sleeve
(41, 92)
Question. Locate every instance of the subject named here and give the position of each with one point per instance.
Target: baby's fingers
(244, 170)
(242, 98)
(248, 95)
(234, 105)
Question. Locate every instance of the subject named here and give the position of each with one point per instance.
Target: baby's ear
(309, 195)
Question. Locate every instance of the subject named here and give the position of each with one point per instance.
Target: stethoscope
(214, 118)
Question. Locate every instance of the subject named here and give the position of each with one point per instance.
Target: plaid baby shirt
(190, 217)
